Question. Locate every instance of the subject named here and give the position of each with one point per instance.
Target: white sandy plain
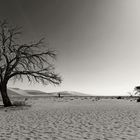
(72, 118)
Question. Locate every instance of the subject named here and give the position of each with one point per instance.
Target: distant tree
(33, 60)
(130, 94)
(137, 90)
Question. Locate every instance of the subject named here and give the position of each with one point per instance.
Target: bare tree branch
(33, 60)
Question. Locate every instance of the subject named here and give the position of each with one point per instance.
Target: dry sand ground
(72, 119)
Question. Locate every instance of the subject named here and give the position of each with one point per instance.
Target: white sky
(98, 42)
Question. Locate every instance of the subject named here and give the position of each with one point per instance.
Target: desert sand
(71, 118)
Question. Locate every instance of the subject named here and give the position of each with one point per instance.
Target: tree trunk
(5, 98)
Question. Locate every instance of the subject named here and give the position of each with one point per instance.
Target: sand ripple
(72, 120)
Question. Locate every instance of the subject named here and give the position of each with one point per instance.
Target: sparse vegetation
(19, 103)
(119, 97)
(138, 100)
(97, 98)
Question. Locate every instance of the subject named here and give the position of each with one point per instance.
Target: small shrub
(97, 98)
(119, 97)
(20, 103)
(138, 100)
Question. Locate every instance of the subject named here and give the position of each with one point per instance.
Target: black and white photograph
(69, 69)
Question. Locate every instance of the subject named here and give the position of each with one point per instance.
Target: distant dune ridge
(21, 92)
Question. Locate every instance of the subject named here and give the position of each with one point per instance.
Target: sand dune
(72, 119)
(21, 92)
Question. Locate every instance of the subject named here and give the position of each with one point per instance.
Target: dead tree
(33, 60)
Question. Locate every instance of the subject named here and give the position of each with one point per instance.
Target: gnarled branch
(32, 60)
